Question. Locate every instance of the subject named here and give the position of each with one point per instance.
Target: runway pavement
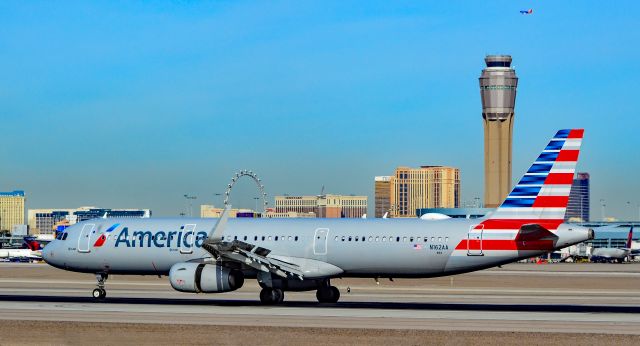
(553, 298)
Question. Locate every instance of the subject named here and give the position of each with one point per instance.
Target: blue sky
(133, 104)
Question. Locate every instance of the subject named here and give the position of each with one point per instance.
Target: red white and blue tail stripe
(539, 199)
(543, 192)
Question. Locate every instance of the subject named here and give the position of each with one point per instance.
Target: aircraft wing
(251, 255)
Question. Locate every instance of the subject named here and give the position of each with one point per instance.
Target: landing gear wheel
(99, 293)
(328, 294)
(270, 296)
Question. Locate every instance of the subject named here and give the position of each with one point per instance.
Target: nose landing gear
(100, 293)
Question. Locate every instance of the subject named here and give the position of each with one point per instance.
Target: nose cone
(49, 254)
(46, 252)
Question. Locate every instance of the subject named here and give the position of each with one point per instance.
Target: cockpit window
(64, 235)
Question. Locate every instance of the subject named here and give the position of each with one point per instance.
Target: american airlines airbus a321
(218, 255)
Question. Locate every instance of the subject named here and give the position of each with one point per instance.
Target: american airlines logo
(158, 239)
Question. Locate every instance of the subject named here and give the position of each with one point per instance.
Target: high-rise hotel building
(498, 83)
(11, 209)
(578, 207)
(382, 191)
(424, 187)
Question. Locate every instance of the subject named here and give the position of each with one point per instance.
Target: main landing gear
(100, 293)
(270, 296)
(328, 294)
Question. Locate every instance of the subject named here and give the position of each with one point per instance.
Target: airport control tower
(498, 84)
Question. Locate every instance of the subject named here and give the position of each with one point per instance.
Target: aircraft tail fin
(630, 238)
(542, 195)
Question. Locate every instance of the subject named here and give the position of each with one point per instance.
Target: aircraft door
(320, 241)
(84, 239)
(188, 238)
(474, 240)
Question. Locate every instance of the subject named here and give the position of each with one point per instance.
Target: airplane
(218, 255)
(31, 250)
(529, 11)
(608, 254)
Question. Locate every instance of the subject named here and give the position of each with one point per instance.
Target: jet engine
(206, 278)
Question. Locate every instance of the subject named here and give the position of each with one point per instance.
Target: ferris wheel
(255, 178)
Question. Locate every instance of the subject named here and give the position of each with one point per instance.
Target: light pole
(602, 206)
(256, 199)
(189, 200)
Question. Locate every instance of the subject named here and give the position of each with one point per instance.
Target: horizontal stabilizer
(532, 232)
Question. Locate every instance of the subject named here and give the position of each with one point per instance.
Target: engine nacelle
(207, 278)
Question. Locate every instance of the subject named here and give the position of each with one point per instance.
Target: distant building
(44, 221)
(324, 206)
(210, 211)
(11, 209)
(578, 208)
(424, 187)
(272, 214)
(382, 195)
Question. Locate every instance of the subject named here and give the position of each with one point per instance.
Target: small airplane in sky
(529, 11)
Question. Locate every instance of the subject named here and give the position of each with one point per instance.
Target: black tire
(97, 293)
(335, 294)
(328, 294)
(103, 293)
(268, 296)
(280, 294)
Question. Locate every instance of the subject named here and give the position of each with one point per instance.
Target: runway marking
(322, 317)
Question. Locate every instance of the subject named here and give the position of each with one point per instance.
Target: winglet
(215, 234)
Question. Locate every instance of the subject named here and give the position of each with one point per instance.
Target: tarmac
(584, 302)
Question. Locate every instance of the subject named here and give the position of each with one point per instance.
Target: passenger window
(289, 238)
(370, 238)
(377, 238)
(384, 238)
(411, 239)
(426, 239)
(440, 239)
(433, 239)
(446, 239)
(235, 238)
(255, 238)
(296, 239)
(342, 238)
(222, 237)
(245, 237)
(404, 239)
(336, 239)
(269, 237)
(262, 238)
(276, 238)
(397, 239)
(356, 238)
